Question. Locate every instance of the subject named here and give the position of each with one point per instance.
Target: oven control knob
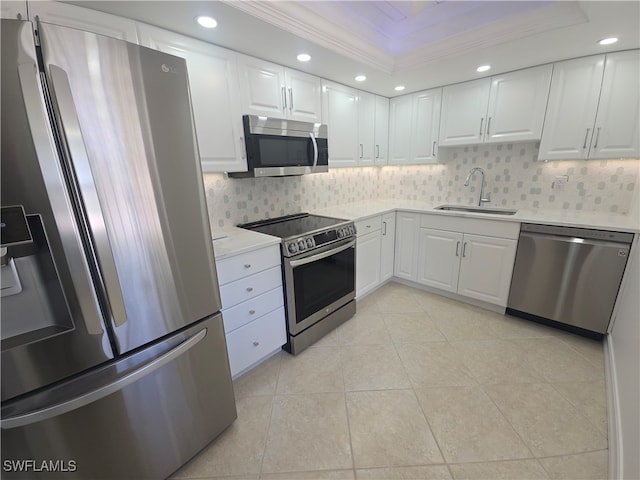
(302, 245)
(340, 233)
(352, 230)
(310, 243)
(292, 247)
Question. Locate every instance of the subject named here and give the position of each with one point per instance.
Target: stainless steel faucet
(482, 199)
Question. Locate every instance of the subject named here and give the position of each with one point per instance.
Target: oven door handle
(320, 256)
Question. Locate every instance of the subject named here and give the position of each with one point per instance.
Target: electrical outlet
(559, 182)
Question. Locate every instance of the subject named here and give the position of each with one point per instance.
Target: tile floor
(417, 386)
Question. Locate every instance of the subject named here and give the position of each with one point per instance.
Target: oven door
(318, 283)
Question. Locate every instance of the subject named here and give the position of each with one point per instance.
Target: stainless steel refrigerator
(114, 361)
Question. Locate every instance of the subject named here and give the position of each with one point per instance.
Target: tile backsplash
(513, 177)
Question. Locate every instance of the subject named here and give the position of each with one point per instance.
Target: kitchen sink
(477, 209)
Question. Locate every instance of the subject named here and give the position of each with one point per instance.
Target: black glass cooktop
(292, 225)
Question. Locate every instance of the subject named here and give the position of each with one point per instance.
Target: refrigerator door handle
(104, 390)
(71, 242)
(93, 220)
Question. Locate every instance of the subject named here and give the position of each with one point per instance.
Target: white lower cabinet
(470, 257)
(254, 341)
(406, 245)
(438, 259)
(252, 306)
(387, 247)
(374, 252)
(368, 257)
(485, 268)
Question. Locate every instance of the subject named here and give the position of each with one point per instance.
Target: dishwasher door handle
(572, 239)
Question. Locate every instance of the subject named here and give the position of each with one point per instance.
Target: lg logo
(166, 69)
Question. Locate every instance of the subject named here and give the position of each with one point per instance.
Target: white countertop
(569, 218)
(233, 241)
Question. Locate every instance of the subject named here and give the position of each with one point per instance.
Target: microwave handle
(315, 148)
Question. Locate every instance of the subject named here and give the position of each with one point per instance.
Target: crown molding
(562, 14)
(294, 18)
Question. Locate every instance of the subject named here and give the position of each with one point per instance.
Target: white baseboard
(613, 412)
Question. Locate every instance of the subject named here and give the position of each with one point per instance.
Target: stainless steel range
(318, 260)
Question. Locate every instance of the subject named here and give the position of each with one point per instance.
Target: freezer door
(126, 123)
(52, 326)
(141, 417)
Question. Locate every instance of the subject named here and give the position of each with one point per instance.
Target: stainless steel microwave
(277, 147)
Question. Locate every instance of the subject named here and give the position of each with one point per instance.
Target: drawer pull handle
(247, 265)
(252, 312)
(249, 289)
(256, 343)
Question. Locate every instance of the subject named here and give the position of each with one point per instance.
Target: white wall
(624, 351)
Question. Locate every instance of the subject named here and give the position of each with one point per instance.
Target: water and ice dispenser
(33, 303)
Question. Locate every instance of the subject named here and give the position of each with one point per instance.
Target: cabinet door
(340, 113)
(426, 126)
(366, 128)
(387, 249)
(304, 96)
(464, 109)
(439, 258)
(367, 263)
(617, 123)
(13, 9)
(406, 254)
(486, 267)
(400, 130)
(517, 104)
(262, 87)
(84, 19)
(571, 110)
(213, 84)
(381, 137)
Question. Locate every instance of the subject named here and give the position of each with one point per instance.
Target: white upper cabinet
(464, 109)
(213, 84)
(272, 90)
(84, 19)
(414, 122)
(425, 126)
(381, 137)
(617, 125)
(366, 128)
(400, 130)
(517, 104)
(593, 108)
(573, 103)
(340, 113)
(13, 9)
(504, 108)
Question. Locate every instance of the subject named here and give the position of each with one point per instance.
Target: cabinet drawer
(368, 225)
(238, 266)
(246, 288)
(252, 342)
(253, 309)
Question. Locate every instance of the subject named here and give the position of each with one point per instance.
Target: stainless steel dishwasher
(568, 277)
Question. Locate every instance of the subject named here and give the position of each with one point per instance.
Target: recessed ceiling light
(399, 88)
(483, 68)
(361, 78)
(608, 41)
(303, 57)
(207, 22)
